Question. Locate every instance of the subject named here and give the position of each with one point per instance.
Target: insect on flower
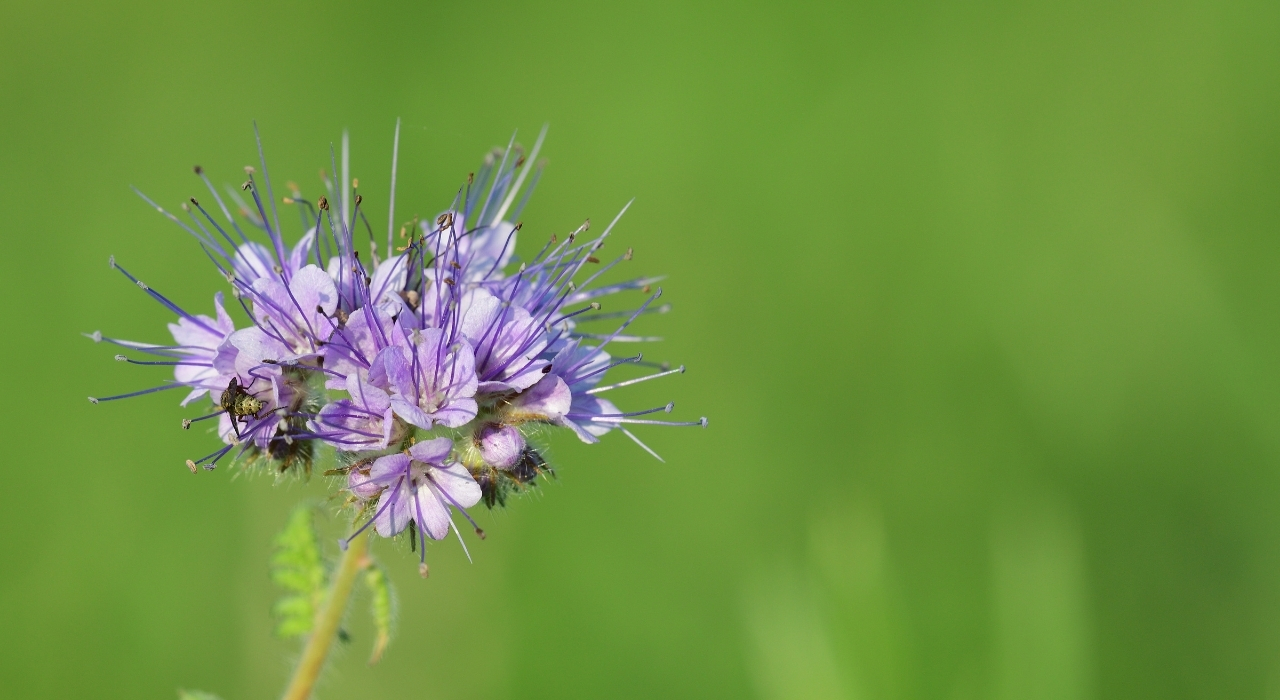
(375, 352)
(239, 404)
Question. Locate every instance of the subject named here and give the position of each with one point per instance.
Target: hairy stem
(327, 621)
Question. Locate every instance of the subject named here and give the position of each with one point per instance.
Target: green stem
(327, 621)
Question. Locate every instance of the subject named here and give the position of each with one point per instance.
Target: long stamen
(515, 188)
(186, 422)
(621, 338)
(150, 349)
(166, 363)
(637, 380)
(579, 312)
(617, 332)
(136, 393)
(568, 374)
(666, 409)
(391, 215)
(275, 215)
(665, 308)
(702, 422)
(643, 446)
(221, 205)
(161, 298)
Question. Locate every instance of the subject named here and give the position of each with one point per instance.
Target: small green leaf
(382, 607)
(298, 568)
(196, 695)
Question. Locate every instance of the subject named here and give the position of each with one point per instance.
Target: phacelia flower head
(430, 368)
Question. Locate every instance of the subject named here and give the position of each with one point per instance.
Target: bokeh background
(981, 299)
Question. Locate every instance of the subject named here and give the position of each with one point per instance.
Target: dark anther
(359, 199)
(324, 203)
(247, 184)
(592, 259)
(454, 264)
(519, 225)
(186, 424)
(480, 533)
(199, 170)
(546, 370)
(319, 309)
(193, 201)
(471, 178)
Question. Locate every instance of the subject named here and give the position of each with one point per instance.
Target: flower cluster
(424, 365)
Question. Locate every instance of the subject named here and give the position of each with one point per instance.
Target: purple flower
(352, 348)
(507, 342)
(298, 313)
(198, 339)
(418, 485)
(362, 422)
(440, 342)
(433, 381)
(245, 355)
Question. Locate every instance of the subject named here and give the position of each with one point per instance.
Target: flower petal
(394, 510)
(457, 483)
(432, 452)
(431, 513)
(548, 400)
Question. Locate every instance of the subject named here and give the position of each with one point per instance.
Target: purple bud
(500, 445)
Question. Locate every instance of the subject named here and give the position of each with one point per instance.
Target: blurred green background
(981, 300)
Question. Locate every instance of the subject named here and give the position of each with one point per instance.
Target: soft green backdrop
(981, 298)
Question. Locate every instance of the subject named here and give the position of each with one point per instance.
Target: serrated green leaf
(196, 695)
(382, 607)
(298, 567)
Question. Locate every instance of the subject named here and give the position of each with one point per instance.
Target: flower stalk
(328, 620)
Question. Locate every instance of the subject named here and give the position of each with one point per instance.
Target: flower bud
(500, 445)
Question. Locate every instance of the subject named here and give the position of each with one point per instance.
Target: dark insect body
(239, 404)
(497, 484)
